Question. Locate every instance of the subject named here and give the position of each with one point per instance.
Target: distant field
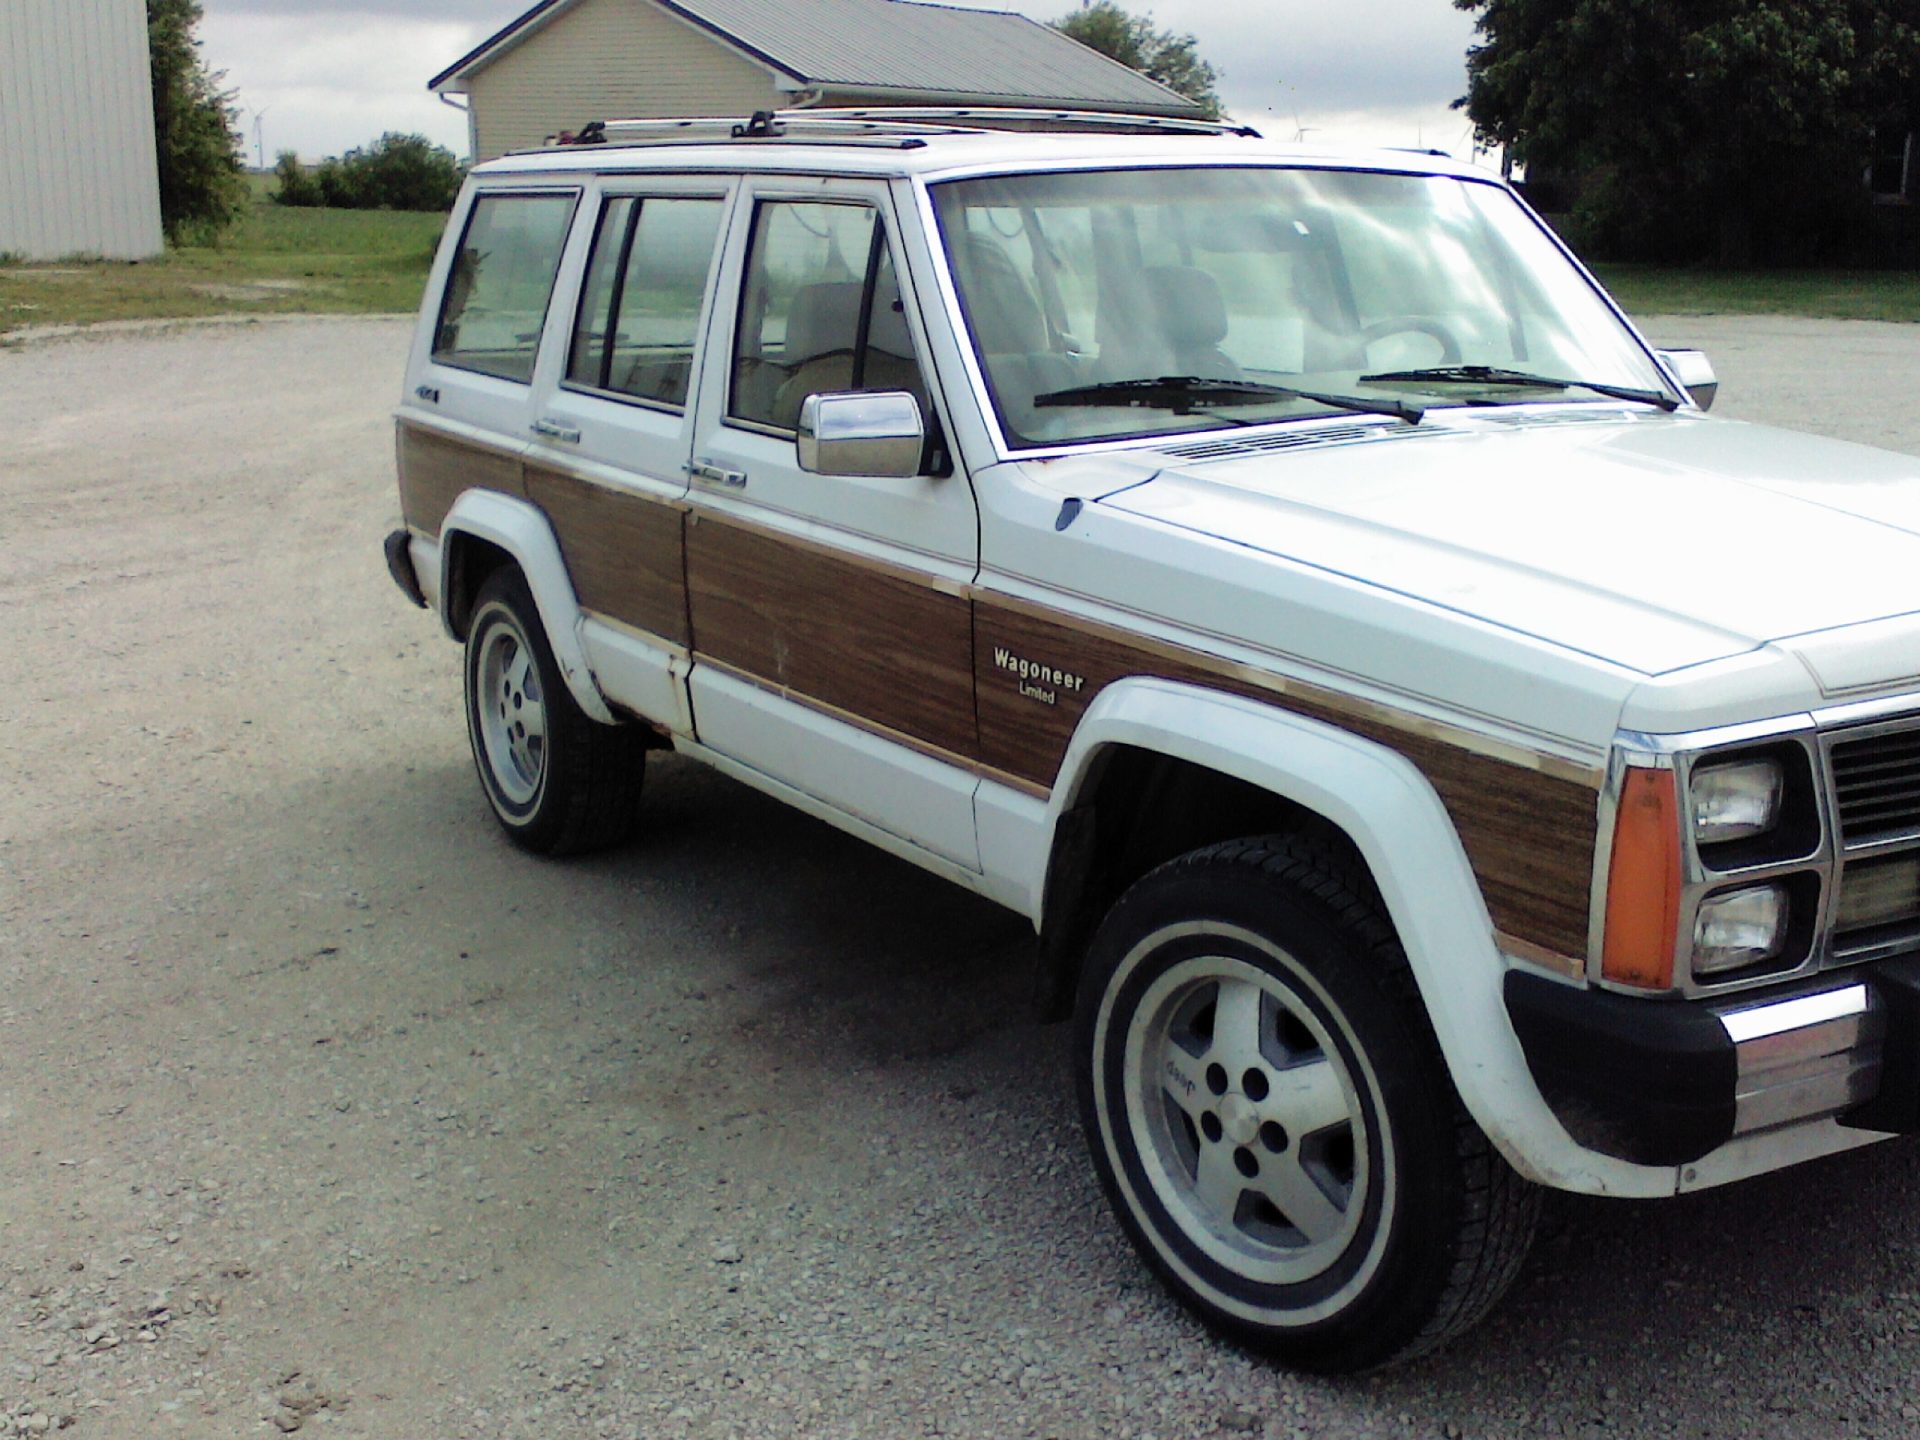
(1821, 294)
(282, 261)
(276, 261)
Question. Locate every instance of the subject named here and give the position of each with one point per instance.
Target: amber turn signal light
(1643, 883)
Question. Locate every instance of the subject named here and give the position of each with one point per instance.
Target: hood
(1654, 542)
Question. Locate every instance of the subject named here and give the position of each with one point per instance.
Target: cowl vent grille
(1289, 440)
(1229, 446)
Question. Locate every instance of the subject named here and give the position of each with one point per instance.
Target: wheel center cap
(1239, 1119)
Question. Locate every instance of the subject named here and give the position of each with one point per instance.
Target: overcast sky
(318, 76)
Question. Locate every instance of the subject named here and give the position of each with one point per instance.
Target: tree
(396, 172)
(1173, 60)
(1726, 129)
(201, 191)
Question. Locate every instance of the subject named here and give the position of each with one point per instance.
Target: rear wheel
(1272, 1120)
(559, 782)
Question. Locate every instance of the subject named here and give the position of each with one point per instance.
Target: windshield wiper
(1494, 375)
(1184, 394)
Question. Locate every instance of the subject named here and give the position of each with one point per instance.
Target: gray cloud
(490, 14)
(1370, 71)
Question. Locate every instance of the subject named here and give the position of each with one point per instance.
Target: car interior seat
(1010, 328)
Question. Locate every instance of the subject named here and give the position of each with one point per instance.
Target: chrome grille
(1875, 773)
(1877, 786)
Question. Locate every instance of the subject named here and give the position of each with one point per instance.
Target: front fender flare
(522, 531)
(1408, 840)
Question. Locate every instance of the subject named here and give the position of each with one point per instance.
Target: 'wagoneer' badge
(1037, 681)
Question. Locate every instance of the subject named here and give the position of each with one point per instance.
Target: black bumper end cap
(1895, 1110)
(400, 566)
(1647, 1081)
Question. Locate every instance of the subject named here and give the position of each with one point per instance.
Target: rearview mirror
(1693, 370)
(876, 433)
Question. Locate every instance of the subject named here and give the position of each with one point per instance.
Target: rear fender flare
(522, 531)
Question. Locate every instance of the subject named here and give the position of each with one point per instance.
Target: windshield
(1313, 291)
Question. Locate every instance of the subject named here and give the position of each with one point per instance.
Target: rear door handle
(553, 430)
(718, 474)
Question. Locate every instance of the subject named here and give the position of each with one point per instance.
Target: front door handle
(554, 430)
(718, 474)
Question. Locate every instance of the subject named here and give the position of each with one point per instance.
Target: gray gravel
(324, 1111)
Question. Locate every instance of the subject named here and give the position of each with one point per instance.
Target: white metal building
(78, 170)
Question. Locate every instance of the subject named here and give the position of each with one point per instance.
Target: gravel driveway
(321, 1108)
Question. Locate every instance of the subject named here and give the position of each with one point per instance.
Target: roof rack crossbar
(878, 122)
(987, 117)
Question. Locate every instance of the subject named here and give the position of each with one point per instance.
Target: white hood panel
(1653, 543)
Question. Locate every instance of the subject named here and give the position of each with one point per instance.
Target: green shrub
(396, 172)
(201, 191)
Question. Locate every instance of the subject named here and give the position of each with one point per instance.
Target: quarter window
(821, 311)
(640, 307)
(502, 278)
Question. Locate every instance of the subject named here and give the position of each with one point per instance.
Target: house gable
(598, 58)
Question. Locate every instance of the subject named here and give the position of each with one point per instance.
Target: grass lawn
(275, 261)
(1824, 294)
(285, 261)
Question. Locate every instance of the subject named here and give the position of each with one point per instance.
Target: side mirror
(1693, 370)
(876, 433)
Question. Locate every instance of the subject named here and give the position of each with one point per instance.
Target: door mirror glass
(1693, 370)
(874, 433)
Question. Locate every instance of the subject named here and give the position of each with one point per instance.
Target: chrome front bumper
(1806, 1057)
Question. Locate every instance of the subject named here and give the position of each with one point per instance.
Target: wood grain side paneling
(435, 468)
(625, 551)
(1530, 836)
(872, 642)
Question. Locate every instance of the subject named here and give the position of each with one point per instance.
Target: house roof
(890, 47)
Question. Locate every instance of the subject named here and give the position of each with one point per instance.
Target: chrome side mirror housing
(1693, 370)
(877, 433)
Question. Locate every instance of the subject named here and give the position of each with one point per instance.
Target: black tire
(559, 782)
(1405, 1226)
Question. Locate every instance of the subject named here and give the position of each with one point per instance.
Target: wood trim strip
(862, 638)
(834, 554)
(624, 550)
(1334, 702)
(912, 657)
(1533, 954)
(434, 468)
(1529, 834)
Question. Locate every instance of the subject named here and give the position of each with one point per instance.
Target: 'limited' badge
(1036, 681)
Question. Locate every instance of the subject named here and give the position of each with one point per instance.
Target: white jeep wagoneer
(1439, 760)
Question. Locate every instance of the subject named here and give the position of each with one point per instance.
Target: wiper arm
(1184, 394)
(1495, 375)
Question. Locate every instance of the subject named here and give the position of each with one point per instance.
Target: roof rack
(901, 125)
(999, 117)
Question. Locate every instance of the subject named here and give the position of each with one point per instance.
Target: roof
(932, 157)
(888, 47)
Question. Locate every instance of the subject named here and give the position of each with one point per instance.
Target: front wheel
(559, 782)
(1270, 1115)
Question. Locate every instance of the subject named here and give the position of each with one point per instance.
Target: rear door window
(502, 278)
(640, 308)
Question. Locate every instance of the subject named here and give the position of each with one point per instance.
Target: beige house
(566, 62)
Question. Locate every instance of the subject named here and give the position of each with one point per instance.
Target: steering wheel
(1415, 325)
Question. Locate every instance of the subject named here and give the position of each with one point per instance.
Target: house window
(1891, 176)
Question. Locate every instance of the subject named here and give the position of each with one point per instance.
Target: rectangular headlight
(1735, 801)
(1739, 928)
